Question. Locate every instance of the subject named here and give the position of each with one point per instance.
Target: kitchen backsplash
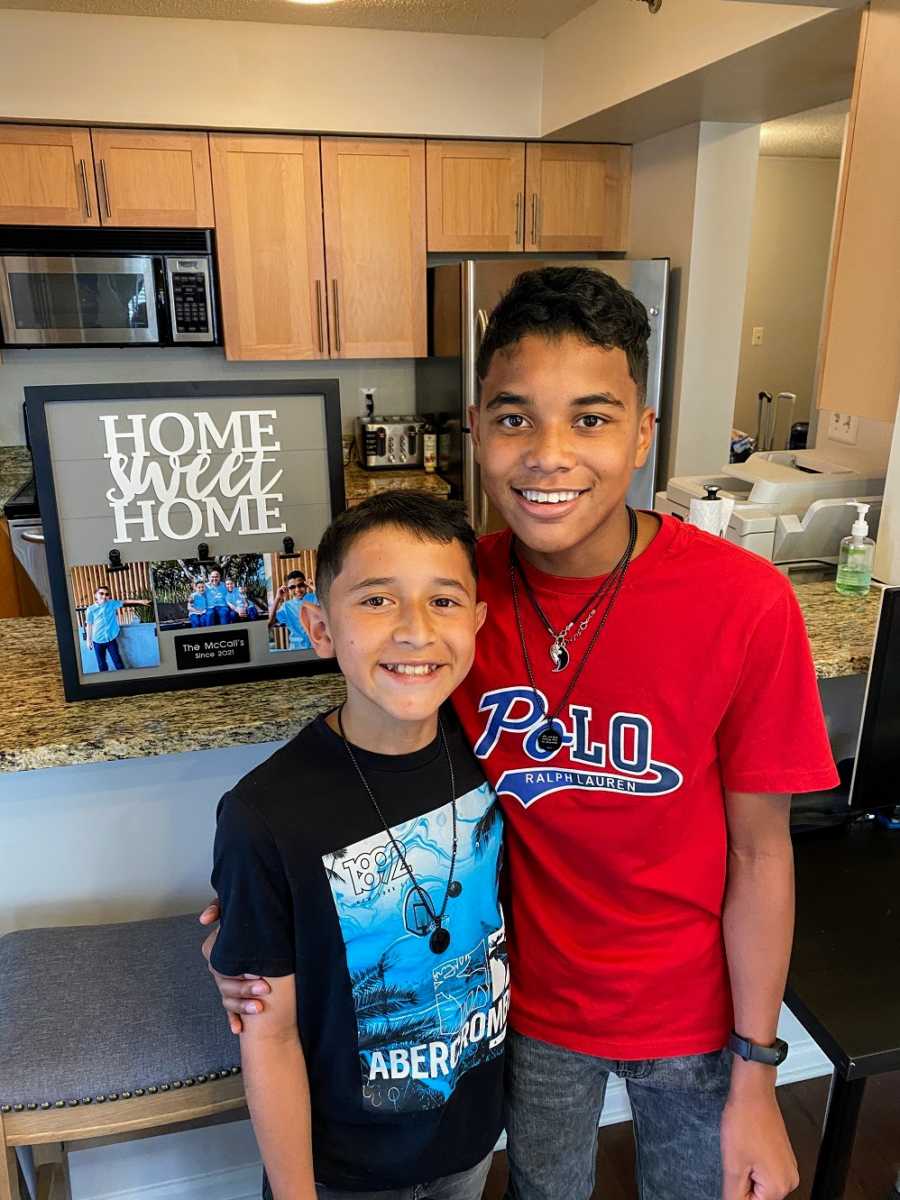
(394, 379)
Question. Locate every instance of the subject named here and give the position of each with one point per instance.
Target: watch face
(781, 1051)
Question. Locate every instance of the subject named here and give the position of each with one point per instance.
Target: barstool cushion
(93, 1013)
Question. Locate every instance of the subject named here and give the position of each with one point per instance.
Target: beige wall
(692, 199)
(666, 166)
(86, 68)
(887, 553)
(615, 49)
(792, 221)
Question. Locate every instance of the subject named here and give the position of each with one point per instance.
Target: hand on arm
(240, 993)
(277, 1088)
(757, 922)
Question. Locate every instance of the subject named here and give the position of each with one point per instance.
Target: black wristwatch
(772, 1056)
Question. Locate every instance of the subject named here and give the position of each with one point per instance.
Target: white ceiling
(816, 133)
(496, 18)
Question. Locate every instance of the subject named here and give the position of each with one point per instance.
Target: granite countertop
(841, 628)
(15, 470)
(360, 483)
(41, 730)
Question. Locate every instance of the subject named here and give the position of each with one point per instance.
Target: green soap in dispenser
(857, 557)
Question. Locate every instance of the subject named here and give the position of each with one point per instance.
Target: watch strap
(750, 1051)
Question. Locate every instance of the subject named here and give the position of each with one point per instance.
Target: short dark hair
(422, 514)
(295, 575)
(554, 301)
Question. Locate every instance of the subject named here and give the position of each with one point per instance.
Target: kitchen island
(41, 730)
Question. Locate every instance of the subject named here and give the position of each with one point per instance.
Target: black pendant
(549, 738)
(455, 889)
(559, 655)
(439, 940)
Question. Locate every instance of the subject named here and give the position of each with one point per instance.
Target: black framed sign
(180, 522)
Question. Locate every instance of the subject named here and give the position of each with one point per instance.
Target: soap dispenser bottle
(857, 556)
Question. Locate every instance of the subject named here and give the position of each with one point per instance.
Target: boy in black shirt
(357, 869)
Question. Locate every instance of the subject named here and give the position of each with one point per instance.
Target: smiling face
(401, 620)
(559, 430)
(214, 577)
(199, 587)
(101, 595)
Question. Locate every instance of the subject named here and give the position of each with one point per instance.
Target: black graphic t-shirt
(403, 1046)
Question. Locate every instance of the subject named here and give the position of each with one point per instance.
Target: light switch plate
(842, 427)
(757, 337)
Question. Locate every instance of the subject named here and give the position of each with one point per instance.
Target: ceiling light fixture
(653, 5)
(313, 1)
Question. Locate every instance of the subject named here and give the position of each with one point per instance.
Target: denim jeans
(101, 648)
(467, 1185)
(554, 1098)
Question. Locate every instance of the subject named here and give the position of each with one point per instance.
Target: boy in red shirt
(644, 702)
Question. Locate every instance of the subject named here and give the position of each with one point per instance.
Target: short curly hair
(554, 301)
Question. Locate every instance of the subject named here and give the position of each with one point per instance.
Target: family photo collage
(121, 612)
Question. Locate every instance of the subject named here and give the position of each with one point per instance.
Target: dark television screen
(876, 777)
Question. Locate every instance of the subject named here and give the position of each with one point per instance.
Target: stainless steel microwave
(107, 288)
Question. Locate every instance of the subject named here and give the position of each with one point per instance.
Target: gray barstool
(108, 1032)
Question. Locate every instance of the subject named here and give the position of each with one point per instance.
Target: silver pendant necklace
(439, 940)
(549, 738)
(560, 640)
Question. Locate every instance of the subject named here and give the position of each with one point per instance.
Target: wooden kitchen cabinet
(859, 352)
(268, 201)
(46, 176)
(476, 195)
(374, 199)
(154, 180)
(577, 196)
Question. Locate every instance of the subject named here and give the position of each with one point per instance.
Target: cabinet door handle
(534, 206)
(519, 215)
(84, 188)
(319, 316)
(337, 316)
(105, 183)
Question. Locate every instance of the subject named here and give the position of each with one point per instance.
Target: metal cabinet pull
(534, 204)
(482, 318)
(35, 536)
(519, 215)
(319, 316)
(337, 316)
(105, 183)
(84, 188)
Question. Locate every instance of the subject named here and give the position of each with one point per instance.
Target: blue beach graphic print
(424, 1019)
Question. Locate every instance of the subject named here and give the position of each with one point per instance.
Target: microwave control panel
(191, 299)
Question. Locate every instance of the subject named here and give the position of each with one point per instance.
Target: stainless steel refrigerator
(460, 298)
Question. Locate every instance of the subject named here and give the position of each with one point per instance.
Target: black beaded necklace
(440, 937)
(549, 738)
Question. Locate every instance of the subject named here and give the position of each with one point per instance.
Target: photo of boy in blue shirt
(101, 628)
(198, 605)
(289, 599)
(217, 610)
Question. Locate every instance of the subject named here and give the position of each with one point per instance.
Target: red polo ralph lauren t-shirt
(616, 843)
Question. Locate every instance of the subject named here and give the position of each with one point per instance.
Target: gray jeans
(554, 1099)
(467, 1185)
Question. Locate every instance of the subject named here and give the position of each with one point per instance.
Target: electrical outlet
(757, 338)
(842, 427)
(367, 400)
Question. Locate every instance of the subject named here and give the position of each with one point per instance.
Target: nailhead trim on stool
(150, 1091)
(103, 1013)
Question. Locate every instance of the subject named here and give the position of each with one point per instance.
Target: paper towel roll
(711, 515)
